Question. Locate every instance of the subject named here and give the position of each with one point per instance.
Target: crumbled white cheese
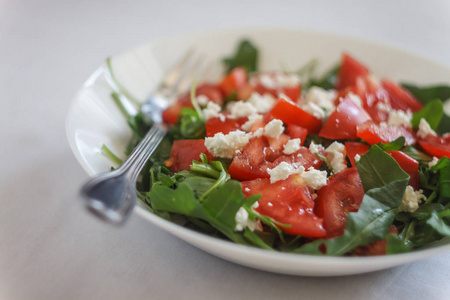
(282, 171)
(291, 146)
(212, 110)
(355, 98)
(225, 146)
(279, 80)
(411, 199)
(357, 157)
(242, 220)
(202, 100)
(247, 190)
(336, 157)
(314, 110)
(384, 106)
(252, 119)
(400, 117)
(259, 132)
(285, 97)
(242, 109)
(314, 179)
(321, 97)
(274, 128)
(425, 129)
(433, 162)
(262, 103)
(315, 148)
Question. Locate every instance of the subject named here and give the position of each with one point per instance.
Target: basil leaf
(429, 93)
(377, 168)
(432, 112)
(395, 145)
(246, 56)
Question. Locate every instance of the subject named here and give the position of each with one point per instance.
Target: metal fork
(112, 196)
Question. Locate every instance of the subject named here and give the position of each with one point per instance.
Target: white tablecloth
(51, 249)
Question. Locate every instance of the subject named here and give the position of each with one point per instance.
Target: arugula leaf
(396, 245)
(416, 154)
(327, 81)
(432, 112)
(384, 182)
(246, 56)
(190, 125)
(438, 224)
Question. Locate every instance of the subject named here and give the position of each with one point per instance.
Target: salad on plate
(343, 164)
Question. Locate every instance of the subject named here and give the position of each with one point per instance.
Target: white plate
(94, 120)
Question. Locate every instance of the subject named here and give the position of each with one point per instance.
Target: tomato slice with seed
(288, 202)
(184, 152)
(290, 113)
(343, 194)
(374, 133)
(436, 146)
(349, 71)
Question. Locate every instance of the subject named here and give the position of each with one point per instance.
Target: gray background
(51, 249)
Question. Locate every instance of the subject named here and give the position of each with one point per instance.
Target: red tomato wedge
(215, 125)
(251, 163)
(342, 123)
(290, 113)
(374, 248)
(353, 148)
(297, 132)
(184, 152)
(343, 194)
(349, 71)
(287, 202)
(373, 133)
(436, 146)
(401, 98)
(409, 165)
(233, 81)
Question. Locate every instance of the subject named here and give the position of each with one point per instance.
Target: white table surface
(51, 249)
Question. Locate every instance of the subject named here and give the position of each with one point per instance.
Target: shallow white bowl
(93, 120)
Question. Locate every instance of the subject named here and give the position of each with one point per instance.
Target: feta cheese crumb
(357, 157)
(314, 110)
(274, 128)
(321, 97)
(242, 220)
(355, 98)
(291, 146)
(282, 171)
(315, 149)
(336, 157)
(212, 110)
(248, 190)
(262, 103)
(258, 133)
(279, 80)
(400, 117)
(384, 106)
(411, 199)
(424, 129)
(433, 162)
(202, 100)
(242, 109)
(314, 179)
(225, 146)
(252, 119)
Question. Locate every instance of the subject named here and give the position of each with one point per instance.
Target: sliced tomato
(409, 165)
(401, 98)
(374, 248)
(353, 148)
(251, 163)
(184, 152)
(290, 113)
(342, 123)
(288, 202)
(436, 146)
(297, 132)
(349, 71)
(343, 194)
(233, 81)
(276, 148)
(374, 133)
(216, 125)
(170, 115)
